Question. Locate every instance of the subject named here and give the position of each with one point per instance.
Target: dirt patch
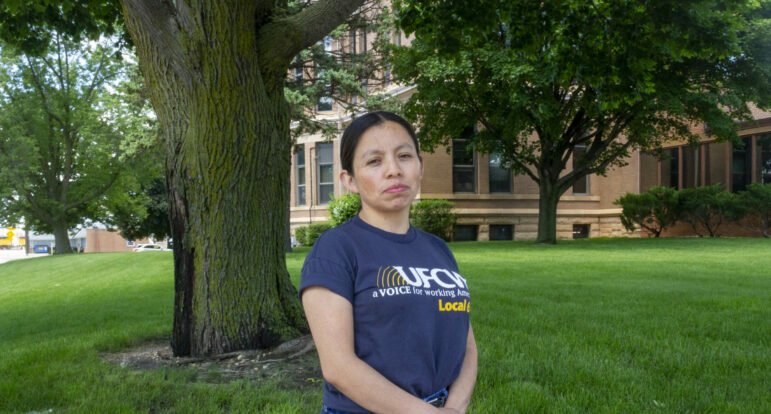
(295, 362)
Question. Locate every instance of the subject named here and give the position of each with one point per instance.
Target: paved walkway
(13, 254)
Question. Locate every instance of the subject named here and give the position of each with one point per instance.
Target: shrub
(751, 209)
(314, 231)
(654, 210)
(704, 208)
(344, 208)
(435, 217)
(300, 234)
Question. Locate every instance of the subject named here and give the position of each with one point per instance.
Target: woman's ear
(349, 182)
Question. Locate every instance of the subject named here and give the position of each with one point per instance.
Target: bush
(435, 217)
(344, 208)
(704, 208)
(654, 210)
(314, 231)
(300, 234)
(751, 209)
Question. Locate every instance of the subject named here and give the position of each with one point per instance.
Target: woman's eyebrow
(376, 151)
(367, 153)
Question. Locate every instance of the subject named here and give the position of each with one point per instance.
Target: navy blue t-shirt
(410, 304)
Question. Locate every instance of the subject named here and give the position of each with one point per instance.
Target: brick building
(493, 204)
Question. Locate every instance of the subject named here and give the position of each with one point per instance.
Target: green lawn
(639, 325)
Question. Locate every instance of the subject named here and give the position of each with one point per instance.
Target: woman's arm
(460, 390)
(330, 317)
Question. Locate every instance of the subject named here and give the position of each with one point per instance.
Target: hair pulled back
(360, 125)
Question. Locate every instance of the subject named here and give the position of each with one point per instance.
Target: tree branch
(100, 191)
(282, 39)
(160, 25)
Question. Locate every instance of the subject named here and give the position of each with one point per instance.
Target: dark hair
(360, 125)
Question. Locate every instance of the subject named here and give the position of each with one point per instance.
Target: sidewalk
(13, 254)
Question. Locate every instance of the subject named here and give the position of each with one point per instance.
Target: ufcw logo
(389, 277)
(464, 306)
(392, 276)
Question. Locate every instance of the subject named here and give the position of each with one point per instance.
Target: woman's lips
(398, 188)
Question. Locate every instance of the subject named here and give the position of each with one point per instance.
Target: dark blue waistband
(437, 397)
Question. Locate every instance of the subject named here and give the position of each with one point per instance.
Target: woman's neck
(397, 222)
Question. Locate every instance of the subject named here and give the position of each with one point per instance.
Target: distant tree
(150, 221)
(63, 151)
(142, 208)
(653, 210)
(216, 73)
(555, 81)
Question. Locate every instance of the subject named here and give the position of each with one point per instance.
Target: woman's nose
(392, 167)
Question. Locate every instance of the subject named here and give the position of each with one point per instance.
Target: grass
(639, 325)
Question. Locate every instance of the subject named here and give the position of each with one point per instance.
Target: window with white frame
(325, 174)
(300, 174)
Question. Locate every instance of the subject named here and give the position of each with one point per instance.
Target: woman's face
(386, 169)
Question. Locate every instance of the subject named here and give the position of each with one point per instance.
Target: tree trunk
(228, 156)
(549, 196)
(62, 238)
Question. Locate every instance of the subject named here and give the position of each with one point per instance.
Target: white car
(148, 248)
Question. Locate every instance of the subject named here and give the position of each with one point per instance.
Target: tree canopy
(68, 143)
(543, 78)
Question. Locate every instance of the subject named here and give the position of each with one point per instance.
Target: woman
(385, 302)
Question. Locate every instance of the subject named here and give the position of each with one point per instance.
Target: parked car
(148, 248)
(41, 248)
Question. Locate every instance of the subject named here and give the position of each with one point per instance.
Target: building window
(741, 166)
(363, 42)
(463, 164)
(352, 36)
(465, 232)
(327, 43)
(398, 37)
(325, 172)
(715, 163)
(670, 168)
(299, 157)
(501, 232)
(691, 167)
(581, 186)
(500, 178)
(580, 231)
(763, 159)
(298, 70)
(324, 104)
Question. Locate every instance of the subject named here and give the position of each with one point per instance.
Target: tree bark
(549, 196)
(228, 149)
(61, 238)
(215, 72)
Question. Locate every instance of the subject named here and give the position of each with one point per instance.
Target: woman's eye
(373, 161)
(405, 155)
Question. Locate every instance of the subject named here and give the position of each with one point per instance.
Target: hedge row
(432, 216)
(704, 208)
